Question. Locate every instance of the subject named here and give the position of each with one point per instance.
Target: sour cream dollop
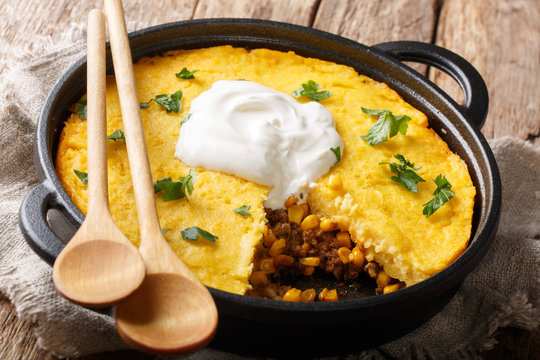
(260, 134)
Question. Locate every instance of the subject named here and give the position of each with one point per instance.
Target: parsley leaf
(194, 232)
(406, 177)
(186, 74)
(117, 136)
(82, 109)
(173, 190)
(442, 195)
(243, 210)
(186, 118)
(337, 152)
(311, 90)
(83, 176)
(169, 102)
(163, 231)
(388, 125)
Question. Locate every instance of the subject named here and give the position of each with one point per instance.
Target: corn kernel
(390, 288)
(310, 261)
(292, 295)
(328, 225)
(296, 213)
(267, 266)
(277, 247)
(343, 254)
(258, 278)
(343, 239)
(322, 294)
(291, 200)
(357, 257)
(310, 222)
(331, 295)
(308, 295)
(308, 270)
(383, 279)
(336, 184)
(283, 260)
(305, 206)
(268, 238)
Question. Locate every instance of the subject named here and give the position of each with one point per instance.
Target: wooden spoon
(172, 312)
(99, 266)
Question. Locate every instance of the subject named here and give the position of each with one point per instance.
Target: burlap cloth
(503, 291)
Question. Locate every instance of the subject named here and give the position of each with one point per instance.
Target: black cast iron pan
(265, 327)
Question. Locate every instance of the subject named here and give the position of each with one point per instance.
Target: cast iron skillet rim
(47, 169)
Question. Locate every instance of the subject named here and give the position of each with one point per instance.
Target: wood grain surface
(500, 38)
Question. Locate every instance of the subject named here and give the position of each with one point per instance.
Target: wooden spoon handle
(98, 197)
(139, 164)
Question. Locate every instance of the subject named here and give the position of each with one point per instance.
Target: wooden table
(501, 38)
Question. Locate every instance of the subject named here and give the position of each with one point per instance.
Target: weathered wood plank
(502, 40)
(373, 22)
(21, 18)
(295, 12)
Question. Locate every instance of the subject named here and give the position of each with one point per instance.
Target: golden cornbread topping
(374, 202)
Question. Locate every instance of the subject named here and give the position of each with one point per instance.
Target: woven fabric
(502, 291)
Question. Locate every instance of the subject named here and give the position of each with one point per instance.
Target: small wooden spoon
(172, 312)
(99, 266)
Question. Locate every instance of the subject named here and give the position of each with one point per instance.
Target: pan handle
(476, 94)
(34, 225)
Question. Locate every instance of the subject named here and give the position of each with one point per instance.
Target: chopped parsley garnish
(337, 152)
(169, 102)
(173, 190)
(186, 118)
(311, 90)
(441, 195)
(406, 172)
(117, 136)
(82, 109)
(83, 176)
(186, 74)
(388, 125)
(243, 210)
(194, 232)
(163, 231)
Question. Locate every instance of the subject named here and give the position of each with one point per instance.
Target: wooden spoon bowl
(81, 276)
(162, 295)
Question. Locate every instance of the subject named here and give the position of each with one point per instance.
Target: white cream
(259, 134)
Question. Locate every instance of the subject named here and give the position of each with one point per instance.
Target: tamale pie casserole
(392, 201)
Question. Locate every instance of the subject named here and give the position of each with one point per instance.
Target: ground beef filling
(310, 243)
(297, 243)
